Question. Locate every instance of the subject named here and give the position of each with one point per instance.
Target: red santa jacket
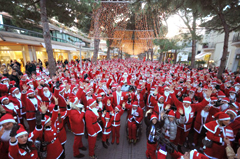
(106, 125)
(61, 100)
(3, 89)
(31, 106)
(139, 97)
(19, 103)
(59, 125)
(115, 98)
(193, 108)
(93, 127)
(76, 121)
(203, 117)
(47, 100)
(117, 117)
(134, 116)
(158, 109)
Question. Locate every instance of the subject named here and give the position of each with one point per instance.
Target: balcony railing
(236, 38)
(22, 31)
(208, 45)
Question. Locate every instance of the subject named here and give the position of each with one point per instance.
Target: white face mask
(224, 106)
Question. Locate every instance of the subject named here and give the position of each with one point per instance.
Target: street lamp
(80, 44)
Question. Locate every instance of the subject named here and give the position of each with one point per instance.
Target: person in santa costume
(116, 115)
(32, 103)
(216, 132)
(193, 154)
(139, 95)
(107, 125)
(202, 117)
(21, 144)
(135, 116)
(10, 108)
(76, 119)
(153, 125)
(93, 127)
(189, 111)
(118, 97)
(16, 98)
(6, 122)
(46, 95)
(159, 107)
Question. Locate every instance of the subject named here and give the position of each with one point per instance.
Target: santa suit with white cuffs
(17, 99)
(116, 123)
(45, 96)
(118, 98)
(32, 105)
(93, 127)
(107, 125)
(134, 117)
(216, 133)
(77, 126)
(183, 129)
(11, 108)
(158, 109)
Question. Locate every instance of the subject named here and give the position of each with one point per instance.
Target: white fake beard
(7, 84)
(224, 107)
(237, 89)
(75, 92)
(47, 94)
(166, 93)
(10, 105)
(6, 135)
(232, 96)
(18, 95)
(95, 111)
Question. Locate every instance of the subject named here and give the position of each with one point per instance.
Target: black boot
(107, 142)
(104, 145)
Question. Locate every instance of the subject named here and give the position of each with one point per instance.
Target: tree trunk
(121, 56)
(96, 35)
(175, 57)
(194, 36)
(147, 55)
(151, 51)
(225, 52)
(193, 53)
(160, 57)
(108, 53)
(47, 38)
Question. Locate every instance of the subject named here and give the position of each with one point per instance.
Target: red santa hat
(7, 118)
(4, 79)
(226, 99)
(29, 81)
(62, 88)
(153, 117)
(161, 96)
(99, 96)
(205, 87)
(30, 91)
(118, 107)
(153, 88)
(3, 98)
(187, 100)
(135, 104)
(231, 110)
(73, 98)
(139, 87)
(171, 113)
(236, 84)
(232, 90)
(88, 91)
(13, 89)
(21, 131)
(107, 116)
(91, 102)
(222, 116)
(221, 94)
(214, 99)
(114, 86)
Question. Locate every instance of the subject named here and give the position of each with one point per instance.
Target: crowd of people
(173, 100)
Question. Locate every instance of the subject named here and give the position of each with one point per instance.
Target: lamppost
(80, 44)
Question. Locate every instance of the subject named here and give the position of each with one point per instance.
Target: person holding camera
(152, 126)
(21, 145)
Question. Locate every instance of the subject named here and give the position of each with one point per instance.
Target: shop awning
(201, 55)
(61, 47)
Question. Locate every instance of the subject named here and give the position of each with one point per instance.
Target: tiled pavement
(121, 151)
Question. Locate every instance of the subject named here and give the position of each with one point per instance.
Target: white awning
(61, 47)
(201, 55)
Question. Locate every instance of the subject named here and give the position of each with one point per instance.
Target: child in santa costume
(116, 115)
(107, 125)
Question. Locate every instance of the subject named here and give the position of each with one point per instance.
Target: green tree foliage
(224, 17)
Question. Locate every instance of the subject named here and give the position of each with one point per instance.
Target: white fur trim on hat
(154, 118)
(228, 118)
(92, 103)
(4, 99)
(21, 133)
(7, 121)
(185, 101)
